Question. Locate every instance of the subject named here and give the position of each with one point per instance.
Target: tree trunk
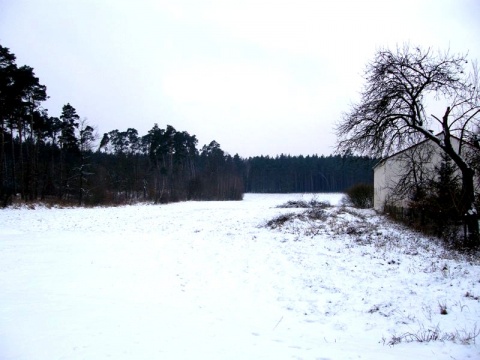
(468, 208)
(2, 154)
(22, 162)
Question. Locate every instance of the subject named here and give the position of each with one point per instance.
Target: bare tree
(393, 112)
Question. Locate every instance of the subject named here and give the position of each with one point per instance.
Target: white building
(412, 165)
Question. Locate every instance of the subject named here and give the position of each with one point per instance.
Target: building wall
(379, 185)
(397, 168)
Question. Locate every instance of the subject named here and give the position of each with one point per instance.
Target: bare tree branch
(391, 114)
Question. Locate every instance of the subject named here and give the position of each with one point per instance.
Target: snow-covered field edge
(213, 280)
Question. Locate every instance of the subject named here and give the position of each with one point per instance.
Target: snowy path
(195, 280)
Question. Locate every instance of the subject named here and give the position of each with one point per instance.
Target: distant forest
(60, 159)
(298, 174)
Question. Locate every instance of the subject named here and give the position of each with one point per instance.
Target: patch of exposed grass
(303, 204)
(280, 220)
(424, 335)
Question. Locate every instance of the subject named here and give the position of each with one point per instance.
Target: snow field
(209, 280)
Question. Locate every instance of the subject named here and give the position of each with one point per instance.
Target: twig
(279, 321)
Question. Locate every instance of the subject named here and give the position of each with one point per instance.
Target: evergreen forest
(299, 174)
(61, 159)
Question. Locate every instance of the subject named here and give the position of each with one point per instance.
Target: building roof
(400, 152)
(440, 134)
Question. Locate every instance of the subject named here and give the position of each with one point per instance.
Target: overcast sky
(258, 76)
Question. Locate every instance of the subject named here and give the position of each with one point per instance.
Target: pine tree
(446, 195)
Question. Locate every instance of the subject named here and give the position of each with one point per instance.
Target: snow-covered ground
(208, 280)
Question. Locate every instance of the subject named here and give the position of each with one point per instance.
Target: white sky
(258, 76)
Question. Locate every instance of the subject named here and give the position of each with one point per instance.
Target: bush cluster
(360, 196)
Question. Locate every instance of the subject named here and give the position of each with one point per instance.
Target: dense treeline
(284, 174)
(44, 157)
(60, 158)
(164, 166)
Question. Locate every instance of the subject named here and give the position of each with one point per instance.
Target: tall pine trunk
(2, 154)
